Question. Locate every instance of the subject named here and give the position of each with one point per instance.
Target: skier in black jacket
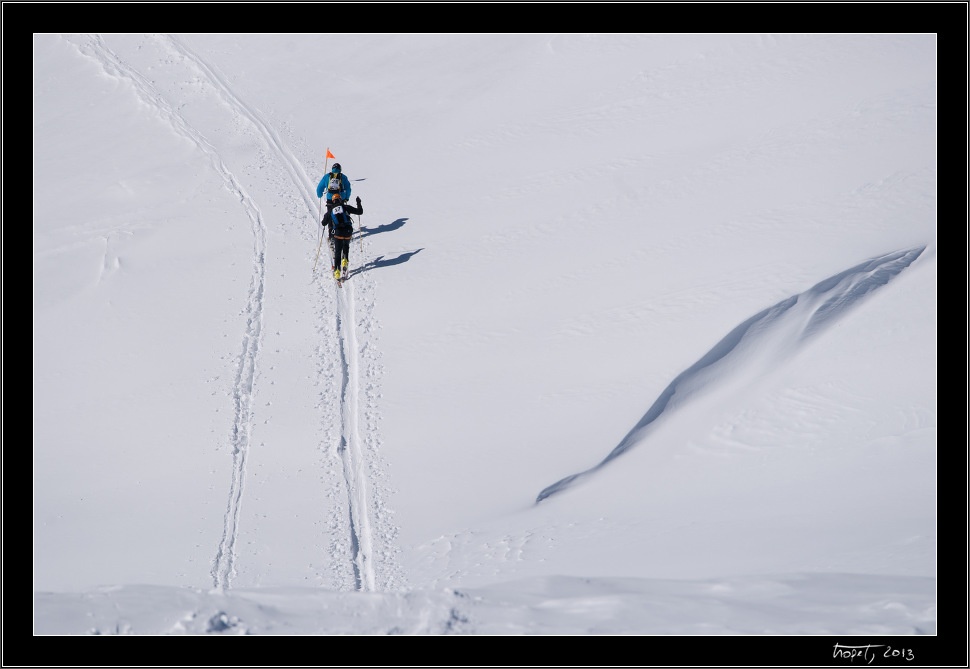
(340, 228)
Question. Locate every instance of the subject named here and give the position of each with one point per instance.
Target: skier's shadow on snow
(381, 261)
(387, 227)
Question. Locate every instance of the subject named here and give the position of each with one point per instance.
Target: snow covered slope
(699, 270)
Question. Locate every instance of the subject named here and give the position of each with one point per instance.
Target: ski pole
(319, 209)
(319, 246)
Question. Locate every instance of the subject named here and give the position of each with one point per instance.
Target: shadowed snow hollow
(761, 342)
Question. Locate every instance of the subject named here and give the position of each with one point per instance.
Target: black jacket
(338, 221)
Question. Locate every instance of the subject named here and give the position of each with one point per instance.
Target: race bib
(337, 210)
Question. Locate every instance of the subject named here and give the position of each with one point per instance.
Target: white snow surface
(697, 271)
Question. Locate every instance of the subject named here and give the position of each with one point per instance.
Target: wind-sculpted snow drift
(771, 335)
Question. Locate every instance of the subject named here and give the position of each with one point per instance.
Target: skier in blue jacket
(334, 182)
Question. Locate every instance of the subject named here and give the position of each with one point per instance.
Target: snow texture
(733, 233)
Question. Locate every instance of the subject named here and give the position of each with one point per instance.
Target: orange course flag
(330, 155)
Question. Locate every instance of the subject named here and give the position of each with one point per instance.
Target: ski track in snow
(223, 565)
(351, 456)
(770, 337)
(346, 433)
(350, 444)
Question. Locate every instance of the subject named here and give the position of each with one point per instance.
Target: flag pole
(326, 161)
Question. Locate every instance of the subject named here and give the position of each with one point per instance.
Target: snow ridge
(768, 337)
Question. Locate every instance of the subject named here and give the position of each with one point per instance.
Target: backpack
(335, 185)
(343, 226)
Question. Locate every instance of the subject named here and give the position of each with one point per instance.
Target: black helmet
(335, 168)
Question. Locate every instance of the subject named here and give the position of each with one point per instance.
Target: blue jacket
(325, 181)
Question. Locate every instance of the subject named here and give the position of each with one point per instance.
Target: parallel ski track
(350, 449)
(223, 567)
(351, 453)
